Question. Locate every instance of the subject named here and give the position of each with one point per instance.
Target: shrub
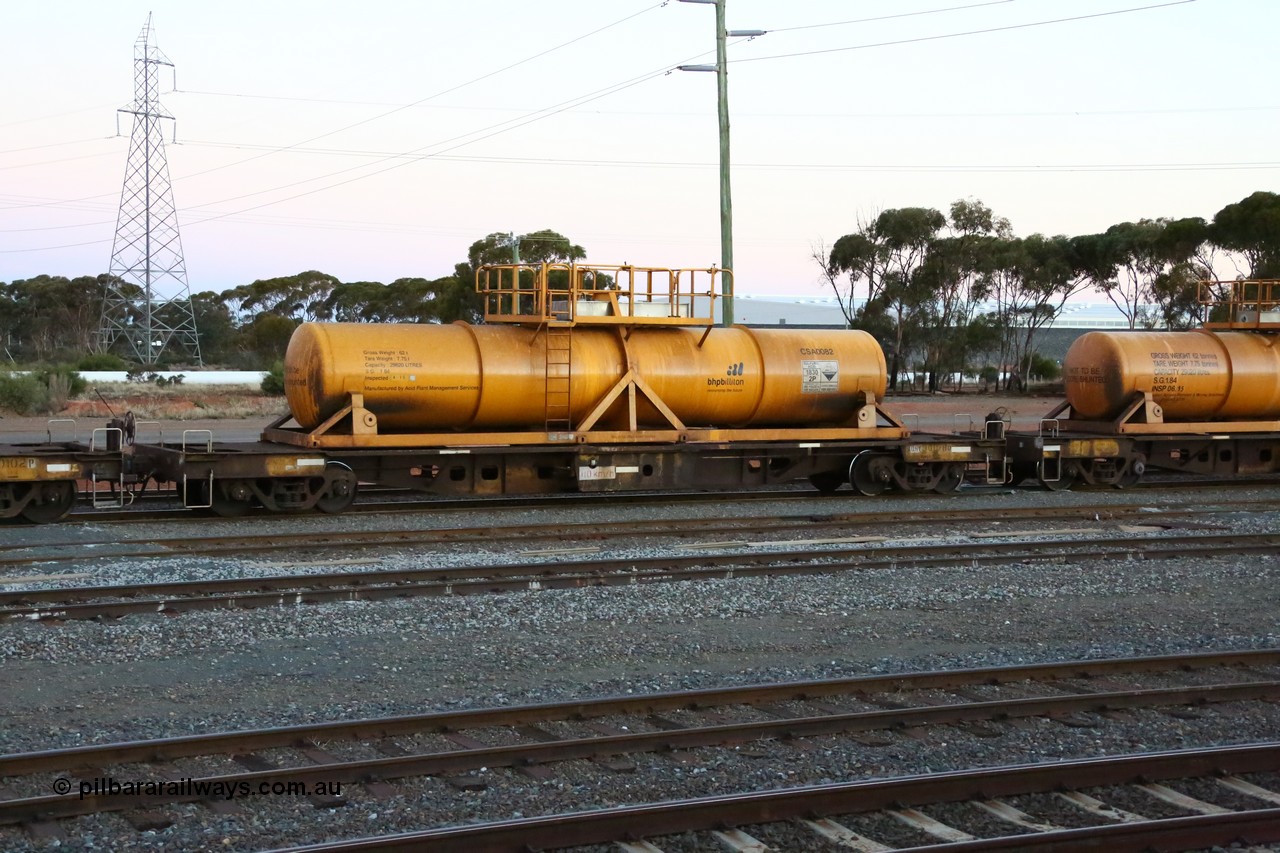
(273, 382)
(59, 385)
(22, 394)
(143, 376)
(70, 383)
(1045, 369)
(102, 361)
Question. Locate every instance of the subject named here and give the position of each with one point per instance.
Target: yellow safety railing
(1243, 304)
(575, 294)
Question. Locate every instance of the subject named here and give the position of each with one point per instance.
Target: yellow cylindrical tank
(462, 377)
(1197, 375)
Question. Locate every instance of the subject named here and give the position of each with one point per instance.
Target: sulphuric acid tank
(1193, 376)
(494, 377)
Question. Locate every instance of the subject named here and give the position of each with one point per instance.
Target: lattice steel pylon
(147, 308)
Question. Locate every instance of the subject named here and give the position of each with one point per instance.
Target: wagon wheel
(1132, 474)
(227, 506)
(1020, 472)
(341, 492)
(827, 482)
(50, 501)
(1065, 481)
(196, 494)
(870, 474)
(951, 480)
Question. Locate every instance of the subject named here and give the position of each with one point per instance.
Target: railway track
(544, 740)
(802, 818)
(115, 601)
(311, 541)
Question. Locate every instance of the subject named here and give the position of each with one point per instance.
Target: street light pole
(722, 111)
(726, 195)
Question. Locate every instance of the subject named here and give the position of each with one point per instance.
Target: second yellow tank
(1197, 375)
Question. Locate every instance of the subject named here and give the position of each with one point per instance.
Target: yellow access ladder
(559, 375)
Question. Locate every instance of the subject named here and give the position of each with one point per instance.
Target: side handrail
(75, 432)
(188, 434)
(623, 293)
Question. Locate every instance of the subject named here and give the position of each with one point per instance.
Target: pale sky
(378, 140)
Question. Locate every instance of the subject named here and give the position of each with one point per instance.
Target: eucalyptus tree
(855, 262)
(1188, 255)
(888, 253)
(405, 300)
(536, 247)
(1250, 229)
(953, 280)
(53, 316)
(1148, 269)
(420, 300)
(215, 326)
(8, 324)
(1044, 273)
(299, 297)
(357, 302)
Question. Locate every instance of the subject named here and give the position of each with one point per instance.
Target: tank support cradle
(363, 421)
(869, 422)
(1143, 415)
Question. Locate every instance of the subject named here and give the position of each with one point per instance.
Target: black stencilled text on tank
(1081, 375)
(1169, 368)
(390, 370)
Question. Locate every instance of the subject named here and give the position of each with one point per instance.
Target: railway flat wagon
(594, 378)
(1205, 401)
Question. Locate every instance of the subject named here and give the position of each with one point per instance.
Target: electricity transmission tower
(147, 307)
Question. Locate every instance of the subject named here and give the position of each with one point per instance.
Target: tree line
(49, 320)
(942, 292)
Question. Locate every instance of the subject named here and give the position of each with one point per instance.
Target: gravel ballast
(155, 676)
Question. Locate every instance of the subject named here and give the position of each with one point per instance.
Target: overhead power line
(417, 155)
(965, 33)
(310, 100)
(387, 113)
(887, 17)
(444, 92)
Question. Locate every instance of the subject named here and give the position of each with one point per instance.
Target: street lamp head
(696, 68)
(749, 34)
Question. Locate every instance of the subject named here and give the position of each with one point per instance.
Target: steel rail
(290, 590)
(604, 746)
(667, 528)
(444, 503)
(699, 815)
(168, 749)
